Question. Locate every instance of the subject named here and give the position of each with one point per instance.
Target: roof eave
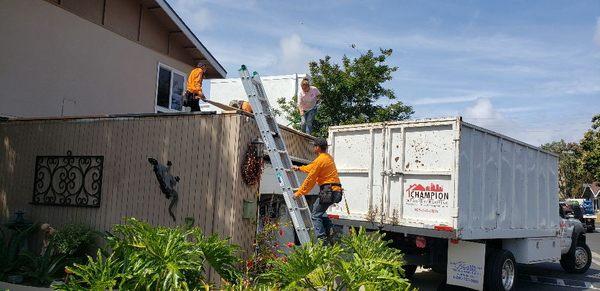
(192, 37)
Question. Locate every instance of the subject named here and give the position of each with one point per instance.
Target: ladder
(280, 160)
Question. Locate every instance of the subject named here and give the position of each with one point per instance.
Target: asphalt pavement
(546, 276)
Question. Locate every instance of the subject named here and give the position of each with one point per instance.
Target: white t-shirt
(308, 100)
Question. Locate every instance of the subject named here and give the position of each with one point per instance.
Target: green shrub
(73, 239)
(42, 270)
(362, 261)
(11, 242)
(140, 256)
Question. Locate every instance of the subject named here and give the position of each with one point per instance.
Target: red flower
(249, 264)
(290, 245)
(281, 232)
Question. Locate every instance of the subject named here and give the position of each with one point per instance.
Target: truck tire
(577, 260)
(409, 271)
(500, 270)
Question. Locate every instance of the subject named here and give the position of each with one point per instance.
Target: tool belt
(328, 195)
(189, 99)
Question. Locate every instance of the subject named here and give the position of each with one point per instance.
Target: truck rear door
(419, 182)
(358, 153)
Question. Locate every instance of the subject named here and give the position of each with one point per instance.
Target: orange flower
(290, 244)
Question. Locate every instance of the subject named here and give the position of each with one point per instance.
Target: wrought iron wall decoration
(68, 180)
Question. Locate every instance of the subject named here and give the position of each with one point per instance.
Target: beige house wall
(54, 62)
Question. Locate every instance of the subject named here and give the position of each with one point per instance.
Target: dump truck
(456, 198)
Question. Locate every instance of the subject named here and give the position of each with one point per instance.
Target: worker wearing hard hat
(323, 172)
(241, 104)
(193, 92)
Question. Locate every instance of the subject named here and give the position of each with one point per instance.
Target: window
(170, 87)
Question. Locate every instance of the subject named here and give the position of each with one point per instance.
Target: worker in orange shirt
(241, 104)
(323, 172)
(193, 91)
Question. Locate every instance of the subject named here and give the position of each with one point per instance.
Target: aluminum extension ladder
(280, 159)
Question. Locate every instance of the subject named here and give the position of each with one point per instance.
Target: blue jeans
(320, 219)
(307, 120)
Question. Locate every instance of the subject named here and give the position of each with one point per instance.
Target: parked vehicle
(457, 198)
(587, 215)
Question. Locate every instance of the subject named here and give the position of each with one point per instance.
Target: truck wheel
(500, 271)
(578, 260)
(409, 271)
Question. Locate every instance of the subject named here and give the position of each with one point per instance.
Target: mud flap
(466, 262)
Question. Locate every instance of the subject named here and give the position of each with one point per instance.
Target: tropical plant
(73, 239)
(369, 263)
(140, 256)
(362, 261)
(308, 267)
(97, 275)
(220, 255)
(42, 270)
(11, 243)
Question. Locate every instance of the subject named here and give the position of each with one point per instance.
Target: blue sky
(528, 69)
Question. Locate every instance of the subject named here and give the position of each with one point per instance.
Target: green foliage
(220, 255)
(11, 242)
(308, 267)
(73, 239)
(290, 108)
(368, 261)
(579, 163)
(590, 145)
(141, 256)
(570, 174)
(98, 274)
(352, 92)
(362, 260)
(42, 270)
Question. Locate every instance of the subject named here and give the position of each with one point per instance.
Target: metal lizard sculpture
(167, 182)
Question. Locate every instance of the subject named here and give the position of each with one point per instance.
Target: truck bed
(444, 178)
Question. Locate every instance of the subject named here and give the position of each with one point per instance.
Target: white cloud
(454, 99)
(295, 54)
(597, 34)
(195, 14)
(483, 110)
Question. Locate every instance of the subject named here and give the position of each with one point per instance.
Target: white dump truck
(457, 198)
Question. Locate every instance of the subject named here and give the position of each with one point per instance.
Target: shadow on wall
(7, 171)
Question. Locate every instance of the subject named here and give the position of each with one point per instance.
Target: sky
(527, 69)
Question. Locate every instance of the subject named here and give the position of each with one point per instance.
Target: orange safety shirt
(321, 171)
(194, 81)
(246, 106)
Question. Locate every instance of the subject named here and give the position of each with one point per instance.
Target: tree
(352, 92)
(570, 178)
(590, 145)
(579, 163)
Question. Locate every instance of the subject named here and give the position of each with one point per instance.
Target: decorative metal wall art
(167, 182)
(68, 180)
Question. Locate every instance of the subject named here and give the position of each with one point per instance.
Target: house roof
(177, 28)
(594, 187)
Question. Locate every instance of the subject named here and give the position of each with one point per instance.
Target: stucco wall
(52, 55)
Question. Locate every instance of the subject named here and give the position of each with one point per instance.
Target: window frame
(158, 108)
